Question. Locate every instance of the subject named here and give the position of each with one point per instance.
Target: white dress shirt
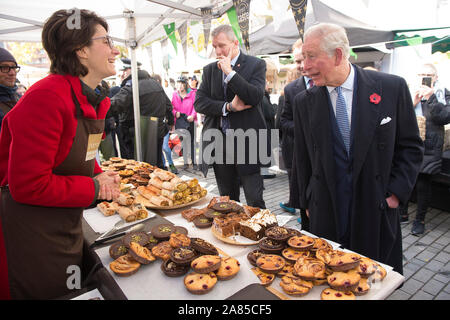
(347, 91)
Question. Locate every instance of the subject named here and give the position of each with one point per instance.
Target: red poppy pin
(375, 98)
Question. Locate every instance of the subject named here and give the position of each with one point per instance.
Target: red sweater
(37, 135)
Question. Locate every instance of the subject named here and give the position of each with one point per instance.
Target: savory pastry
(145, 192)
(200, 283)
(161, 201)
(127, 214)
(330, 294)
(157, 182)
(163, 174)
(139, 210)
(107, 208)
(124, 266)
(228, 268)
(140, 254)
(154, 189)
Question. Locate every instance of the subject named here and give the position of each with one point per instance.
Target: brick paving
(425, 259)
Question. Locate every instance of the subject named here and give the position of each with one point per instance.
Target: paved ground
(426, 258)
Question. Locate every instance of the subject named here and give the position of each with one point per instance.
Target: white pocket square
(385, 120)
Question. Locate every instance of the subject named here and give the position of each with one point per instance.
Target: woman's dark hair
(65, 32)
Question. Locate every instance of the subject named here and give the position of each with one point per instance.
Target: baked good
(324, 255)
(202, 222)
(253, 255)
(270, 263)
(229, 267)
(152, 241)
(178, 240)
(140, 254)
(344, 281)
(287, 270)
(211, 214)
(138, 236)
(124, 266)
(330, 294)
(180, 229)
(206, 263)
(117, 249)
(362, 288)
(320, 244)
(183, 255)
(251, 211)
(366, 267)
(126, 214)
(265, 218)
(271, 246)
(294, 232)
(277, 233)
(125, 199)
(265, 278)
(107, 208)
(139, 210)
(309, 269)
(251, 230)
(203, 247)
(162, 250)
(294, 286)
(172, 269)
(192, 213)
(379, 275)
(163, 231)
(303, 242)
(200, 283)
(292, 255)
(218, 199)
(226, 226)
(223, 207)
(343, 261)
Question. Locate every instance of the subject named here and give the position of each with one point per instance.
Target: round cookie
(203, 246)
(292, 255)
(180, 229)
(183, 255)
(178, 240)
(270, 263)
(117, 249)
(295, 287)
(206, 263)
(171, 269)
(344, 281)
(330, 294)
(228, 268)
(200, 283)
(294, 232)
(301, 242)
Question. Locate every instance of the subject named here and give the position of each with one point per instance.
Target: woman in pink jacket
(185, 117)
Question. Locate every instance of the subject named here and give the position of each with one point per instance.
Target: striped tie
(342, 118)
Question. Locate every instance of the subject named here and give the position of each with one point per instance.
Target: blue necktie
(342, 118)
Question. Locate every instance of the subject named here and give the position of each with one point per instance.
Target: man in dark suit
(230, 97)
(357, 149)
(287, 127)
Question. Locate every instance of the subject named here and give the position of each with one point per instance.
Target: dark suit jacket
(386, 159)
(249, 84)
(287, 119)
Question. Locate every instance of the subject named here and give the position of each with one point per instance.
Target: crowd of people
(350, 142)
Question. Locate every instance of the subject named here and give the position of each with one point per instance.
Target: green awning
(438, 37)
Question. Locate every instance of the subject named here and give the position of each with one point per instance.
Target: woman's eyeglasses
(7, 69)
(109, 40)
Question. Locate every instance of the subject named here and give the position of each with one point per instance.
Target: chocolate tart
(117, 249)
(139, 237)
(180, 229)
(202, 222)
(271, 246)
(200, 283)
(162, 232)
(253, 255)
(171, 269)
(270, 263)
(152, 241)
(124, 266)
(206, 263)
(278, 233)
(203, 247)
(294, 232)
(183, 255)
(140, 254)
(223, 207)
(211, 214)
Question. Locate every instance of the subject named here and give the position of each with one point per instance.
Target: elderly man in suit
(357, 148)
(287, 128)
(230, 97)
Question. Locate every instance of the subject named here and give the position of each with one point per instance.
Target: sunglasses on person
(109, 40)
(7, 69)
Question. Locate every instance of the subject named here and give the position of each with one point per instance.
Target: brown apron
(42, 242)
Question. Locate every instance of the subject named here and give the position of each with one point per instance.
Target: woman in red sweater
(48, 171)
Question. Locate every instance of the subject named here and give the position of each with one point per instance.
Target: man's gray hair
(225, 28)
(332, 37)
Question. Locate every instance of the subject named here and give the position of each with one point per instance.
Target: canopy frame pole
(132, 44)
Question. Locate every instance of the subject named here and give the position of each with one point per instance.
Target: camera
(426, 81)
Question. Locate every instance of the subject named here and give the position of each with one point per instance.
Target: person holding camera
(430, 101)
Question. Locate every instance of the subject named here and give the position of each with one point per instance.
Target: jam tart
(366, 267)
(301, 242)
(309, 269)
(344, 281)
(206, 263)
(200, 283)
(265, 279)
(379, 275)
(343, 261)
(294, 286)
(270, 263)
(362, 288)
(331, 294)
(287, 270)
(291, 254)
(141, 254)
(228, 268)
(321, 244)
